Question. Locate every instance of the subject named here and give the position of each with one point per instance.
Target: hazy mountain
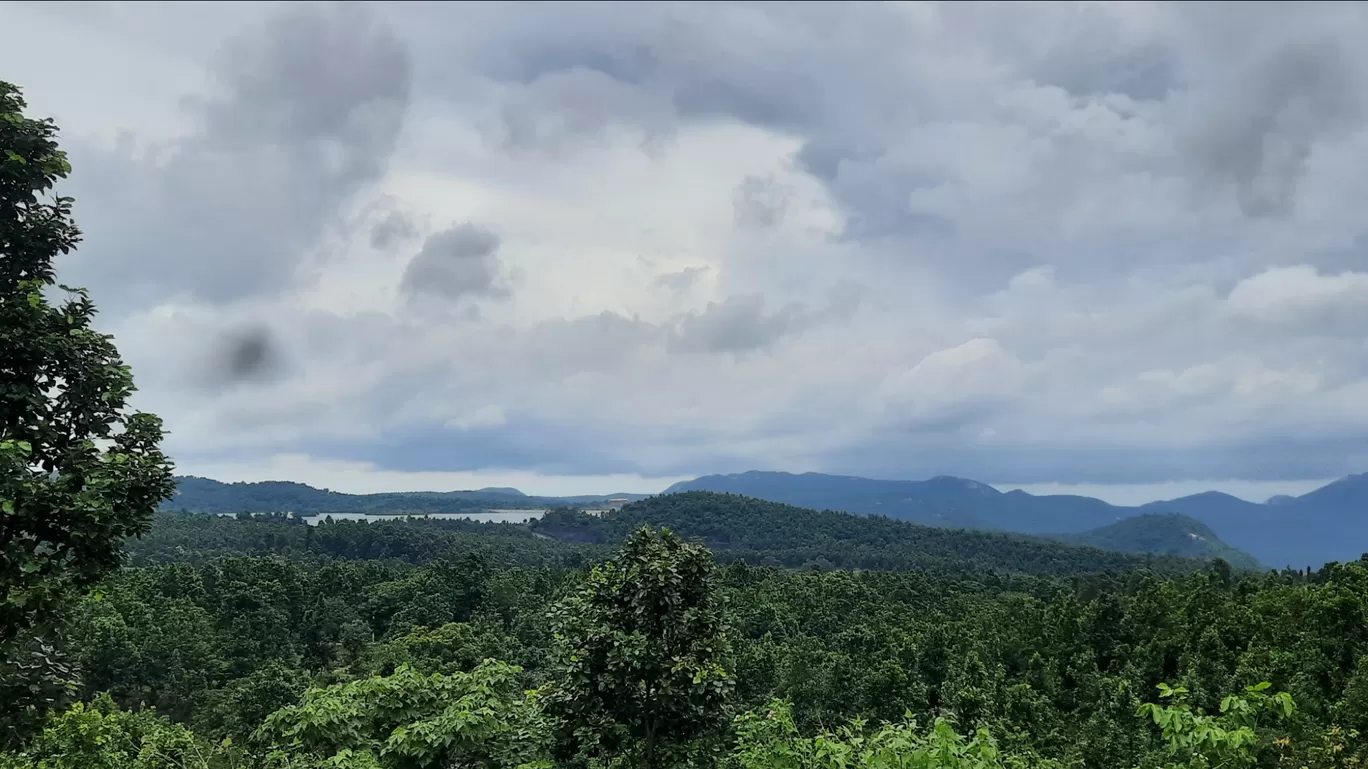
(1327, 524)
(1163, 534)
(940, 501)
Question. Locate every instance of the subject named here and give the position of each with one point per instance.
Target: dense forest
(253, 640)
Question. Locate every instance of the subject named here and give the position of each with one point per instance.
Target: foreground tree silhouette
(78, 473)
(639, 650)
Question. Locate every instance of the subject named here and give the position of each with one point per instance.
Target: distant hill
(1163, 534)
(940, 501)
(504, 490)
(204, 495)
(1328, 524)
(779, 534)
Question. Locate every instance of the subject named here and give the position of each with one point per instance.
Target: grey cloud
(1049, 94)
(760, 201)
(1144, 73)
(682, 280)
(390, 230)
(559, 109)
(327, 81)
(1261, 128)
(308, 109)
(739, 324)
(1089, 50)
(456, 263)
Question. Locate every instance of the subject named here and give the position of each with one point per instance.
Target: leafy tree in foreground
(78, 474)
(478, 719)
(1197, 740)
(99, 735)
(639, 650)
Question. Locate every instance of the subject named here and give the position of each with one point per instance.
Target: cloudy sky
(600, 247)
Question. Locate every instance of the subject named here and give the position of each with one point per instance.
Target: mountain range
(945, 502)
(1324, 525)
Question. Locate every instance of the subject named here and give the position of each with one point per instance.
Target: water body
(485, 516)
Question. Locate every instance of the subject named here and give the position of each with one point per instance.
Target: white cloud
(1300, 298)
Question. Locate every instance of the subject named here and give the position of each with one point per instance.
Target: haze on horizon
(585, 248)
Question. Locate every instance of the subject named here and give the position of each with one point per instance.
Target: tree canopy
(79, 472)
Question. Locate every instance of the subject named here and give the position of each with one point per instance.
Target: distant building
(616, 504)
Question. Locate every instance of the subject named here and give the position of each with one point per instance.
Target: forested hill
(1162, 534)
(772, 533)
(204, 495)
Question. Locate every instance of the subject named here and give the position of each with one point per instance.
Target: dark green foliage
(99, 735)
(639, 651)
(1053, 666)
(408, 720)
(78, 474)
(190, 538)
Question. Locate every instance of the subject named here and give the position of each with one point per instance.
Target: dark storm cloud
(456, 263)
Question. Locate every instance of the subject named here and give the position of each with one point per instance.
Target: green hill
(1163, 534)
(778, 534)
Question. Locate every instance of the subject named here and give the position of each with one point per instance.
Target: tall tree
(78, 472)
(639, 651)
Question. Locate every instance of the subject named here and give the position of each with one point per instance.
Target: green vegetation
(78, 471)
(489, 649)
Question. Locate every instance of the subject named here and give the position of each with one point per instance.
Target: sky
(592, 247)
